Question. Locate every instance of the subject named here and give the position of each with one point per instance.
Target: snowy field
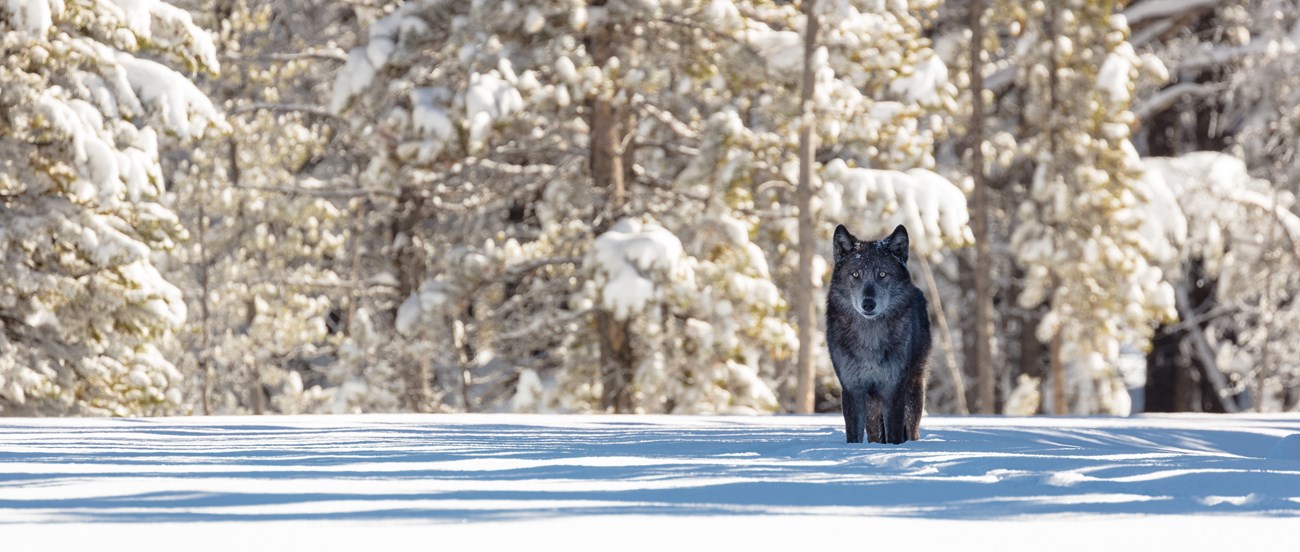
(638, 483)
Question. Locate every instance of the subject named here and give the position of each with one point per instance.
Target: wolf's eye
(857, 274)
(882, 275)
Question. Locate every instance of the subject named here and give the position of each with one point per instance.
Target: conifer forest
(627, 206)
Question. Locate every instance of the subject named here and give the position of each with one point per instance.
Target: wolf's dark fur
(878, 331)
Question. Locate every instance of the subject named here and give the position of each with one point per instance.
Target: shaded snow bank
(348, 470)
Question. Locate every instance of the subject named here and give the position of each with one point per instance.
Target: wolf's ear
(897, 243)
(844, 242)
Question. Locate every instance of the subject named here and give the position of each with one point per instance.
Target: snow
(625, 254)
(34, 16)
(163, 23)
(431, 119)
(353, 78)
(924, 83)
(1213, 191)
(875, 201)
(1287, 448)
(1154, 9)
(419, 305)
(781, 50)
(488, 98)
(1115, 76)
(1186, 481)
(179, 104)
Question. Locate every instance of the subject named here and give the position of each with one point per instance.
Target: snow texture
(427, 300)
(365, 61)
(781, 50)
(1154, 9)
(874, 201)
(179, 104)
(1197, 200)
(33, 16)
(1287, 448)
(925, 82)
(1196, 481)
(626, 254)
(1115, 76)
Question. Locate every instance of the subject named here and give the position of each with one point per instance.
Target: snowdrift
(235, 482)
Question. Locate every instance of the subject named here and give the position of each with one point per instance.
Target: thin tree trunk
(205, 361)
(410, 265)
(458, 342)
(358, 229)
(1031, 349)
(256, 396)
(805, 310)
(1266, 358)
(945, 335)
(980, 222)
(1058, 366)
(616, 363)
(966, 282)
(1058, 377)
(607, 173)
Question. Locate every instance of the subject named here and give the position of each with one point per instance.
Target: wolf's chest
(861, 361)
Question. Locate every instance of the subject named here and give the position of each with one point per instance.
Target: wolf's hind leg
(915, 406)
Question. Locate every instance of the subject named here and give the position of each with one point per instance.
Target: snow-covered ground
(640, 482)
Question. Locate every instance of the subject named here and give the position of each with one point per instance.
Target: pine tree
(494, 115)
(84, 112)
(266, 269)
(1078, 233)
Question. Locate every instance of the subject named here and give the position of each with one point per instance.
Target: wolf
(878, 333)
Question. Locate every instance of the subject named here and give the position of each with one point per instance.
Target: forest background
(297, 206)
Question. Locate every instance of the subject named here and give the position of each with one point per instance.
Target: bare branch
(526, 267)
(335, 55)
(318, 192)
(1205, 353)
(312, 110)
(1169, 96)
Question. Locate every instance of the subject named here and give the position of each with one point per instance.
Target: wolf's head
(870, 276)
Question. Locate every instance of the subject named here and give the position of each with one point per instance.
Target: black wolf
(878, 331)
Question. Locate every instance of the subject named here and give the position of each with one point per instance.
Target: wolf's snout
(869, 305)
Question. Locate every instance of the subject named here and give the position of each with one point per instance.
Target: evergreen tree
(87, 103)
(495, 116)
(1077, 231)
(266, 271)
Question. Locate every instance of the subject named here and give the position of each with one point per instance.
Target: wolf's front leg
(854, 405)
(875, 420)
(896, 431)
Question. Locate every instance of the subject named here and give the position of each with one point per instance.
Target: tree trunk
(1205, 353)
(205, 362)
(805, 310)
(256, 394)
(458, 342)
(983, 279)
(966, 282)
(607, 173)
(1058, 377)
(1058, 364)
(1031, 349)
(411, 266)
(616, 363)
